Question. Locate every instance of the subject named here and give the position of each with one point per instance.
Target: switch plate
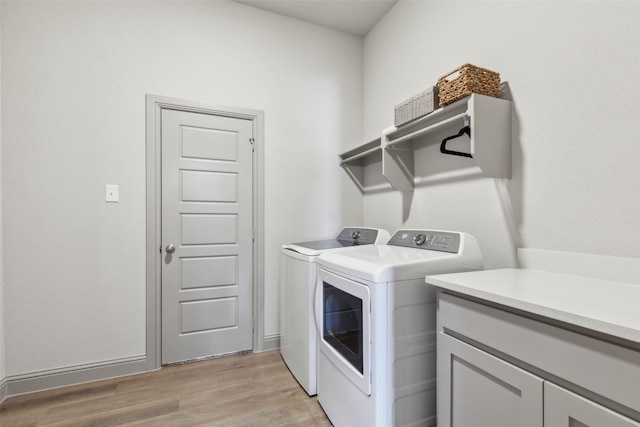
(112, 193)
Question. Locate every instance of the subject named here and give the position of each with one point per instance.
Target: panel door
(207, 209)
(563, 408)
(477, 389)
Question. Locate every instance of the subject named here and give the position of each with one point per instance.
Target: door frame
(154, 106)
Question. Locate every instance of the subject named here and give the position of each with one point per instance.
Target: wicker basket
(417, 106)
(465, 80)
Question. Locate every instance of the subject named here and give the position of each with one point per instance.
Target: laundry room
(85, 86)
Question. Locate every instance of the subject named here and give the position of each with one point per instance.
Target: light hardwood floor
(254, 389)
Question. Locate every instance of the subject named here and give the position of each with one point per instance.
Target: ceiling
(355, 17)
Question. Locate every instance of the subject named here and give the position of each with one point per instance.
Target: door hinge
(253, 234)
(253, 324)
(253, 144)
(160, 248)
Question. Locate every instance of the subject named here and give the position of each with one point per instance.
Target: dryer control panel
(352, 236)
(443, 241)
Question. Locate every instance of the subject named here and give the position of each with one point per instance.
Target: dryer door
(345, 327)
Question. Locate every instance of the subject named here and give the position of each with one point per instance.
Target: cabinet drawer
(604, 368)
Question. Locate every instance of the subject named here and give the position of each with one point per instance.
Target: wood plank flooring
(254, 389)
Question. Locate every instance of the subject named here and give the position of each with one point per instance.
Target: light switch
(112, 193)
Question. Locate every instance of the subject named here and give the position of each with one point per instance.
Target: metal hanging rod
(419, 132)
(359, 155)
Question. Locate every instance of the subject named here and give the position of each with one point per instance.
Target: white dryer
(298, 345)
(376, 321)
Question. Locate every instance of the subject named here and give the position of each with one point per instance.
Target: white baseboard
(271, 342)
(3, 389)
(44, 380)
(38, 381)
(603, 267)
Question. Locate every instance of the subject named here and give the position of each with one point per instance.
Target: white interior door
(207, 235)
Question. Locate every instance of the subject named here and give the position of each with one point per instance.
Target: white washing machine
(298, 345)
(376, 321)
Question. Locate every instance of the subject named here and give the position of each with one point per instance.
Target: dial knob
(419, 239)
(355, 234)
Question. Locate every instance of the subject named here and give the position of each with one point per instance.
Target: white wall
(75, 75)
(572, 68)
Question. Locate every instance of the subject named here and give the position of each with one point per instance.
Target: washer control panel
(357, 236)
(443, 241)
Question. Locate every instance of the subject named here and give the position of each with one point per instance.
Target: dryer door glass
(342, 324)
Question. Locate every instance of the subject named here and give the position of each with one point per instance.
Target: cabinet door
(563, 408)
(480, 390)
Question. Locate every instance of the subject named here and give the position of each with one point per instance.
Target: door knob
(170, 249)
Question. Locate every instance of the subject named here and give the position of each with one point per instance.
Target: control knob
(419, 239)
(355, 234)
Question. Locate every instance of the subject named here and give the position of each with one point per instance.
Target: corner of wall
(3, 387)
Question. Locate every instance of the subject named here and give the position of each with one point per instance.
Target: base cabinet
(485, 377)
(563, 408)
(481, 390)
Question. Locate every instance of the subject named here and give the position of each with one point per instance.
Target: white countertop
(609, 307)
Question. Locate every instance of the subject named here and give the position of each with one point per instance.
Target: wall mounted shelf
(489, 120)
(353, 161)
